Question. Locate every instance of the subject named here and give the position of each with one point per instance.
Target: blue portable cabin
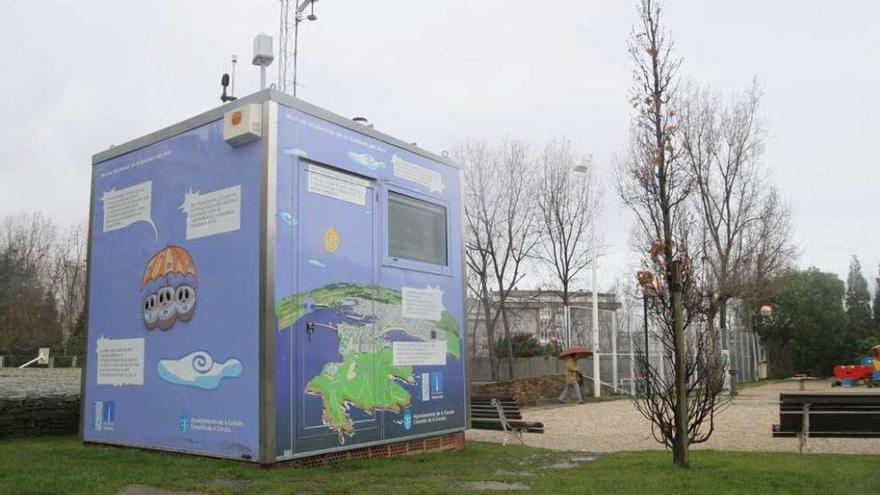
(269, 281)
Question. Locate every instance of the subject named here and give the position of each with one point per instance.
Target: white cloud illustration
(198, 369)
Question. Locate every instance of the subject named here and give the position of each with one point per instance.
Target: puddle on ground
(502, 472)
(586, 458)
(535, 458)
(560, 465)
(492, 485)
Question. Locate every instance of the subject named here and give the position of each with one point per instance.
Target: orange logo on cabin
(236, 117)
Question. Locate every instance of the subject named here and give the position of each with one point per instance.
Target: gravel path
(615, 425)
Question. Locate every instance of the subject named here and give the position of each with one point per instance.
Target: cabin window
(416, 230)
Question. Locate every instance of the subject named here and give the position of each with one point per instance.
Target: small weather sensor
(263, 55)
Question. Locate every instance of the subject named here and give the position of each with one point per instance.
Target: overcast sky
(81, 75)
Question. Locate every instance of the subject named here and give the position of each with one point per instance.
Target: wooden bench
(828, 415)
(501, 414)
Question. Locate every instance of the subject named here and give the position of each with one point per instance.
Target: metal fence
(618, 366)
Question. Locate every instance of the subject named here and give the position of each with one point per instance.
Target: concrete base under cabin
(450, 441)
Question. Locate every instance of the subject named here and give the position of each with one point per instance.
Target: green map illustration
(366, 378)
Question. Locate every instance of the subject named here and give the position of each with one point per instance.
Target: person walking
(572, 373)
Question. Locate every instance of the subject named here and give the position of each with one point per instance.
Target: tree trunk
(779, 360)
(490, 333)
(722, 324)
(474, 330)
(713, 330)
(509, 343)
(680, 447)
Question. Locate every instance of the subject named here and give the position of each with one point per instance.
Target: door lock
(310, 329)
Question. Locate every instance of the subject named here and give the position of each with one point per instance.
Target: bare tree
(43, 304)
(772, 250)
(723, 143)
(28, 297)
(33, 236)
(501, 229)
(655, 183)
(480, 224)
(69, 276)
(568, 204)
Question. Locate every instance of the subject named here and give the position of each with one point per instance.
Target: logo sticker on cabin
(185, 422)
(105, 415)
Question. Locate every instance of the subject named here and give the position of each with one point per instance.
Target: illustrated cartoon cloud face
(167, 315)
(184, 301)
(198, 369)
(151, 311)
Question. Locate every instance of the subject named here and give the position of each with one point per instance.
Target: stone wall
(39, 401)
(39, 415)
(528, 391)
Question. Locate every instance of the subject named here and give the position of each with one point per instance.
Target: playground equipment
(868, 370)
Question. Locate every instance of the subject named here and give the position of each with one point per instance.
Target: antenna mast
(288, 31)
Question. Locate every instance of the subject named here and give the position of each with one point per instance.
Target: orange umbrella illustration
(171, 260)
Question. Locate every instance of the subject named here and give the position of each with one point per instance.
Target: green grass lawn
(64, 465)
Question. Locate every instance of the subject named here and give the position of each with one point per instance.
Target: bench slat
(830, 415)
(484, 415)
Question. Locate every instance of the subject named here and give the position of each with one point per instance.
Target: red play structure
(848, 375)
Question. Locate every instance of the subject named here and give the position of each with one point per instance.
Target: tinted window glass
(416, 230)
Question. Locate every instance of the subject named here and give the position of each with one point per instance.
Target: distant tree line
(42, 286)
(818, 321)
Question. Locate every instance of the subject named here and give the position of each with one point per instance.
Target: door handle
(310, 329)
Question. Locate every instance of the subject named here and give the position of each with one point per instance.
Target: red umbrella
(576, 352)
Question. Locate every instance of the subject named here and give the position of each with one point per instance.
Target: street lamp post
(645, 313)
(595, 333)
(584, 170)
(765, 312)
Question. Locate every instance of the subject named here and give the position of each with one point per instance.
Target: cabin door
(334, 335)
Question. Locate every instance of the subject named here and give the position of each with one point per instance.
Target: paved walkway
(615, 425)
